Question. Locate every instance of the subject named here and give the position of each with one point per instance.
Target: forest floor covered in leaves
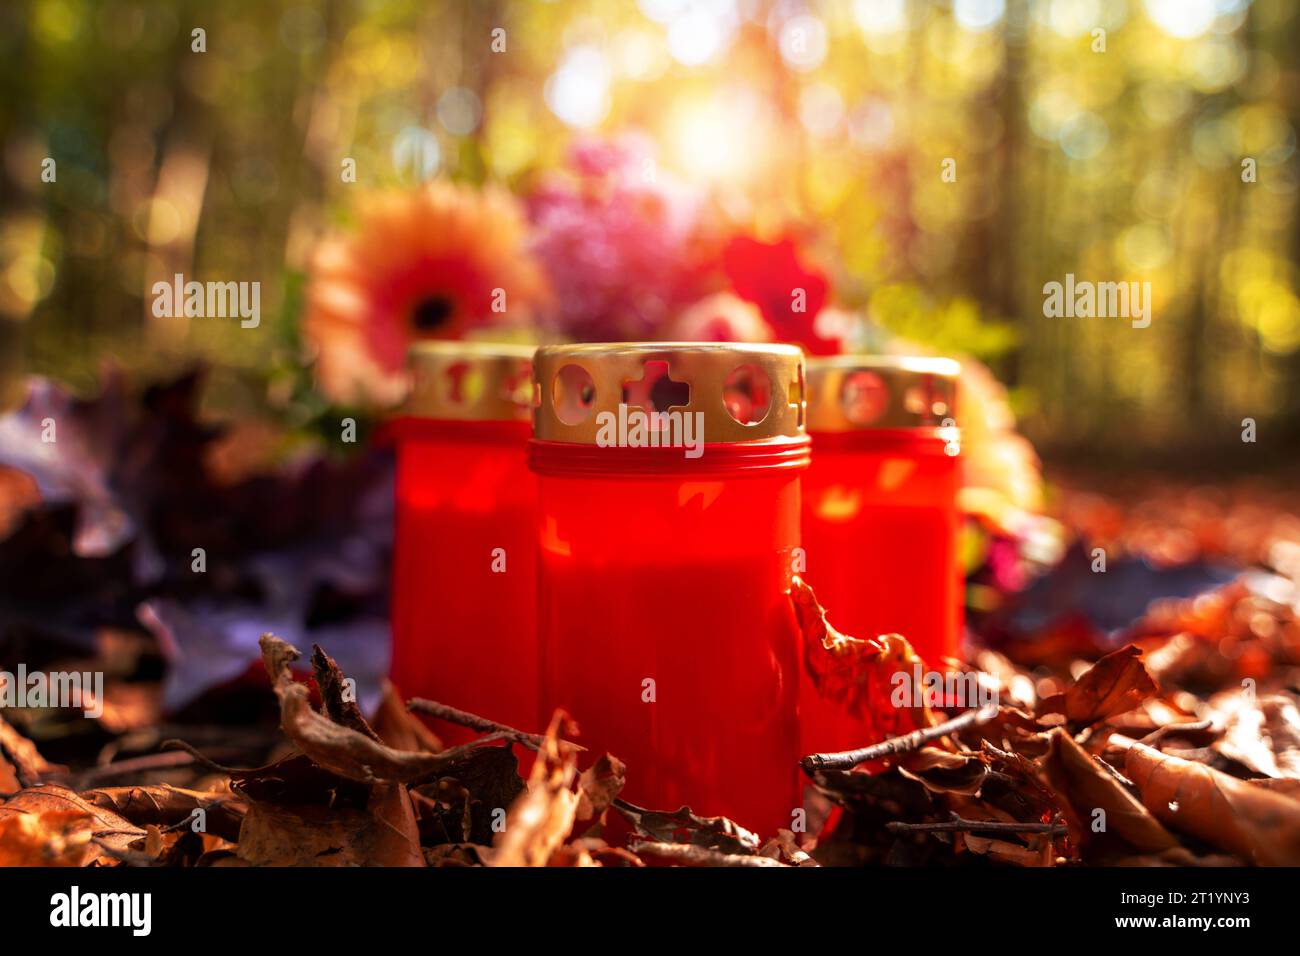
(1144, 715)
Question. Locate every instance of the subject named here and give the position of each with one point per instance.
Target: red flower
(789, 295)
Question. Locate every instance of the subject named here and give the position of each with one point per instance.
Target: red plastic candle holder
(464, 567)
(664, 561)
(880, 518)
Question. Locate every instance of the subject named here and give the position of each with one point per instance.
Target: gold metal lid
(854, 392)
(470, 381)
(745, 392)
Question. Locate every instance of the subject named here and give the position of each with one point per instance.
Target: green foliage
(1114, 165)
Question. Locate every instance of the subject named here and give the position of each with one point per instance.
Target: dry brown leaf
(686, 854)
(382, 834)
(1083, 787)
(397, 839)
(1285, 785)
(599, 787)
(343, 750)
(541, 819)
(785, 849)
(480, 786)
(49, 838)
(21, 764)
(856, 674)
(53, 826)
(458, 854)
(683, 826)
(154, 842)
(399, 728)
(1117, 683)
(340, 704)
(186, 848)
(571, 855)
(1003, 851)
(166, 805)
(1256, 824)
(940, 771)
(1262, 733)
(618, 856)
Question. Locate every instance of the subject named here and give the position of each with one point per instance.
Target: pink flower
(619, 242)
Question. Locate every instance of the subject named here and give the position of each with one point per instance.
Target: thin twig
(1160, 733)
(123, 768)
(1122, 780)
(188, 821)
(464, 718)
(1121, 742)
(198, 757)
(986, 826)
(1125, 744)
(848, 759)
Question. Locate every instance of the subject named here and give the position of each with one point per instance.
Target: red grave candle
(464, 568)
(665, 556)
(880, 517)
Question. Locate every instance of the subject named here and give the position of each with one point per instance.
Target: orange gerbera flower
(436, 262)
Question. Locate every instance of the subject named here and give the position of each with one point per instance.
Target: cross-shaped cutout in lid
(465, 383)
(656, 390)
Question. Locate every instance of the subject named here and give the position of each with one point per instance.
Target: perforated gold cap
(745, 392)
(854, 392)
(470, 381)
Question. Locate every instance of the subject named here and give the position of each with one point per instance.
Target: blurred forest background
(833, 115)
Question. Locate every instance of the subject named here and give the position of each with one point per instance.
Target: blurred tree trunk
(1001, 280)
(1284, 49)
